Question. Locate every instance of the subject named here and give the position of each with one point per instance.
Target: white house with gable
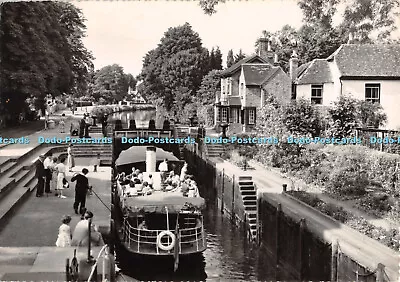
(364, 71)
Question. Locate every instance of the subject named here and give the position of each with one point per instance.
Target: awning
(137, 154)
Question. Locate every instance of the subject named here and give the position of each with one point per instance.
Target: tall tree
(178, 61)
(239, 56)
(230, 59)
(218, 59)
(371, 20)
(110, 84)
(42, 52)
(210, 85)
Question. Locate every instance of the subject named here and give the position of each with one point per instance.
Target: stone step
(245, 178)
(246, 188)
(249, 202)
(7, 167)
(248, 193)
(252, 214)
(250, 208)
(245, 182)
(252, 197)
(252, 220)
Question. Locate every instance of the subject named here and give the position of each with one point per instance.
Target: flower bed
(390, 238)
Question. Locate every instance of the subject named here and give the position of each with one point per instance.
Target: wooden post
(284, 186)
(223, 185)
(277, 226)
(380, 273)
(301, 247)
(222, 198)
(334, 260)
(233, 197)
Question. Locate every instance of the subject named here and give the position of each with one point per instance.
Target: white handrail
(97, 261)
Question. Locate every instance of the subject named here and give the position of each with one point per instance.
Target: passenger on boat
(193, 190)
(184, 171)
(184, 188)
(146, 189)
(140, 176)
(163, 168)
(131, 190)
(169, 186)
(143, 225)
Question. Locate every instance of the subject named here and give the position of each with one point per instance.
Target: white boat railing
(145, 240)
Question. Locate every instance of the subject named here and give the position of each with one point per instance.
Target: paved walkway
(363, 249)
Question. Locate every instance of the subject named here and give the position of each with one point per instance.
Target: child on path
(64, 233)
(62, 124)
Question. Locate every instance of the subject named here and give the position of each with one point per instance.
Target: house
(368, 72)
(244, 86)
(132, 98)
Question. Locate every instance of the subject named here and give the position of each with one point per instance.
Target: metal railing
(143, 240)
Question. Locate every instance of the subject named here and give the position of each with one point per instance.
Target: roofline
(345, 77)
(332, 56)
(305, 71)
(225, 74)
(272, 76)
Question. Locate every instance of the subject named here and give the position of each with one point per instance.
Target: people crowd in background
(134, 185)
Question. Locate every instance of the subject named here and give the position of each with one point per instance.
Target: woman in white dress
(64, 233)
(60, 177)
(71, 161)
(54, 172)
(184, 172)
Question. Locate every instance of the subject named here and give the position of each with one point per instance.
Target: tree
(110, 84)
(318, 12)
(239, 56)
(208, 6)
(42, 53)
(371, 114)
(178, 61)
(131, 81)
(230, 60)
(210, 85)
(301, 118)
(217, 59)
(343, 117)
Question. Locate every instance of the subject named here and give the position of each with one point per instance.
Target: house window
(252, 116)
(242, 88)
(228, 87)
(234, 116)
(372, 92)
(218, 114)
(224, 114)
(316, 94)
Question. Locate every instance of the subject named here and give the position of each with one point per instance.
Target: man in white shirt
(163, 168)
(47, 164)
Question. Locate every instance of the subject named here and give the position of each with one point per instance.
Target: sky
(122, 32)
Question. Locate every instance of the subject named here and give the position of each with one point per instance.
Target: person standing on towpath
(81, 189)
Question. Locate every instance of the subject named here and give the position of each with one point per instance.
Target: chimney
(293, 65)
(351, 38)
(276, 60)
(262, 47)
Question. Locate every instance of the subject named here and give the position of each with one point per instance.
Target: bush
(376, 204)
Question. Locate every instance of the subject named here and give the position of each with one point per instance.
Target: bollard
(334, 260)
(284, 186)
(301, 247)
(380, 273)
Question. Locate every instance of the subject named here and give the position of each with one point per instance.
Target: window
(234, 117)
(373, 92)
(218, 114)
(316, 94)
(224, 115)
(252, 116)
(242, 88)
(228, 88)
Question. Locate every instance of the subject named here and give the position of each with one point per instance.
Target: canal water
(229, 256)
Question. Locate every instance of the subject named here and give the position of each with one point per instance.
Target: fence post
(380, 273)
(222, 197)
(233, 197)
(334, 260)
(301, 247)
(278, 218)
(223, 185)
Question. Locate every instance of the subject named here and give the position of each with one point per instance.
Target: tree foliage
(210, 85)
(239, 56)
(110, 84)
(41, 53)
(230, 59)
(179, 61)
